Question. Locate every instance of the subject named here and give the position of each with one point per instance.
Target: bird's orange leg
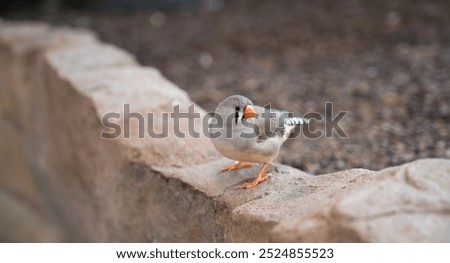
(235, 166)
(260, 178)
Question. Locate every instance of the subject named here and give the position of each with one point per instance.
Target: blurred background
(385, 62)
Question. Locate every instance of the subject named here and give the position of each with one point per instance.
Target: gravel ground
(385, 62)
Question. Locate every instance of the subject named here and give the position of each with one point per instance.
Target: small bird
(250, 134)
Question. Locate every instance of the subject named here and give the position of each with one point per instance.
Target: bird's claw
(235, 166)
(254, 182)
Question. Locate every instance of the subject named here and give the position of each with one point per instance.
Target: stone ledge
(57, 86)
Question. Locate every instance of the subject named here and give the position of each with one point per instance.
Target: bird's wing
(276, 123)
(271, 122)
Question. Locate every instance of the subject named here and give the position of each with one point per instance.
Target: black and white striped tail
(296, 121)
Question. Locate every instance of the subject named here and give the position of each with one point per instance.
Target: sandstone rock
(169, 189)
(21, 47)
(409, 203)
(20, 222)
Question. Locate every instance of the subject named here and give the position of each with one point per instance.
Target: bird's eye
(237, 109)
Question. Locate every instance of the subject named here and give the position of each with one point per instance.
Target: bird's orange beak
(249, 112)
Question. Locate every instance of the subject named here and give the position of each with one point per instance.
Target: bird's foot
(236, 166)
(260, 178)
(254, 183)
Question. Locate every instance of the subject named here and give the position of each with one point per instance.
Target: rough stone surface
(73, 185)
(21, 222)
(408, 203)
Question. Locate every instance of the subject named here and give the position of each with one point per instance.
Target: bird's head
(237, 107)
